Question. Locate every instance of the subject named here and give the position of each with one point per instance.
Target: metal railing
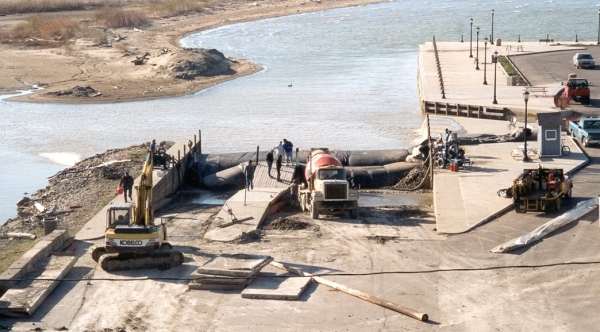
(439, 68)
(470, 111)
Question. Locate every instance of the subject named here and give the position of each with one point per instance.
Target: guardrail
(470, 111)
(439, 68)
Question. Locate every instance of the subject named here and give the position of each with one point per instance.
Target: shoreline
(109, 71)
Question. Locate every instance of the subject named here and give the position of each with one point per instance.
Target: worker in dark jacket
(279, 162)
(270, 161)
(288, 147)
(127, 184)
(249, 172)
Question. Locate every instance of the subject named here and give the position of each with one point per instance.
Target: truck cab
(327, 189)
(577, 89)
(586, 130)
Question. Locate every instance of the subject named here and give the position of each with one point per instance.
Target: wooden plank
(386, 304)
(199, 286)
(274, 288)
(39, 207)
(23, 299)
(216, 279)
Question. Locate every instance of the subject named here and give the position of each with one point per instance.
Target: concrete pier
(468, 198)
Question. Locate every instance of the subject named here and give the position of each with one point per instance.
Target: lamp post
(525, 157)
(492, 39)
(495, 66)
(598, 27)
(485, 41)
(471, 44)
(477, 57)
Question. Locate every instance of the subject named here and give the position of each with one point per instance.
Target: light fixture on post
(485, 41)
(492, 39)
(477, 57)
(471, 44)
(525, 157)
(495, 59)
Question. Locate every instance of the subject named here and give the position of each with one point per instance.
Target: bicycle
(565, 150)
(517, 154)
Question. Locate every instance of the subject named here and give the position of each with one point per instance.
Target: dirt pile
(200, 62)
(415, 179)
(78, 91)
(287, 224)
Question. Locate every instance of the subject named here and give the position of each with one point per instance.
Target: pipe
(361, 295)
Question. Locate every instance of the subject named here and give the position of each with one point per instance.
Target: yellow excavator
(132, 240)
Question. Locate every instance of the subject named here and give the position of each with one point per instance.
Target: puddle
(210, 197)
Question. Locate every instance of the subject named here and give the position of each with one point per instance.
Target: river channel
(344, 78)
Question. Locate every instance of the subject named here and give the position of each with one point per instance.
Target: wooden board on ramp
(276, 288)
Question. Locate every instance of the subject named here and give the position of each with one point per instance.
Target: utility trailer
(541, 190)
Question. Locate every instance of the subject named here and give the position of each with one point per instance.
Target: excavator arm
(144, 213)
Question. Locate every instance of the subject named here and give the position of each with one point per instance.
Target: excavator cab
(118, 215)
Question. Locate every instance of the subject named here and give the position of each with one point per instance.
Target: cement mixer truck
(326, 188)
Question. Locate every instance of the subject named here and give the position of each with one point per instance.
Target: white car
(583, 60)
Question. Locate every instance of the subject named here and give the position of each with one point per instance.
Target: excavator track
(164, 258)
(97, 252)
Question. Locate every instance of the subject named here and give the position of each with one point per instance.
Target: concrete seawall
(26, 263)
(167, 182)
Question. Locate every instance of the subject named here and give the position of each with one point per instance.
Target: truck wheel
(519, 208)
(569, 193)
(440, 162)
(314, 209)
(354, 211)
(303, 203)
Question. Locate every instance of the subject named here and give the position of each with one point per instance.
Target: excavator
(132, 240)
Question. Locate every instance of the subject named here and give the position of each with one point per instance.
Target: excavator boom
(144, 213)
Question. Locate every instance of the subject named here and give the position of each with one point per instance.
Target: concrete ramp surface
(23, 299)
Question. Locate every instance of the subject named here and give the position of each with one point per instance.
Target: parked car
(583, 60)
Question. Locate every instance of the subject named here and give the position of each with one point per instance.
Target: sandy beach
(108, 68)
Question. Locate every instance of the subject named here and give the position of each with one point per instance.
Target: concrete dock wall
(167, 182)
(25, 264)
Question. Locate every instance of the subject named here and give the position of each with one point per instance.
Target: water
(353, 75)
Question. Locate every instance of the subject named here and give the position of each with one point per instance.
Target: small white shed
(549, 134)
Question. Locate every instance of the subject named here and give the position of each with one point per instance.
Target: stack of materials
(228, 272)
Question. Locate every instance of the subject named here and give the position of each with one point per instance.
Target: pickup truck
(577, 89)
(586, 130)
